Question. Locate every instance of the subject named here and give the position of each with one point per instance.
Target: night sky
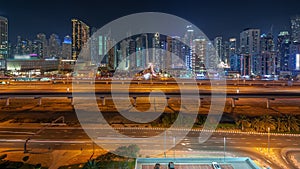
(224, 17)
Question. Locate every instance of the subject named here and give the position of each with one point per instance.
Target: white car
(216, 165)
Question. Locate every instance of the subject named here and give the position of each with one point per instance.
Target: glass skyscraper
(3, 37)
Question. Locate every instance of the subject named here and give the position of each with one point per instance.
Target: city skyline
(213, 18)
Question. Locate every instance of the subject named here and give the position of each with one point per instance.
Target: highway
(70, 138)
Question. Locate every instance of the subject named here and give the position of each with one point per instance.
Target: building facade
(283, 51)
(80, 36)
(249, 51)
(3, 38)
(295, 27)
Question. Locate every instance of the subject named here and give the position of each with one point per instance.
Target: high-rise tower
(3, 37)
(295, 21)
(249, 48)
(80, 36)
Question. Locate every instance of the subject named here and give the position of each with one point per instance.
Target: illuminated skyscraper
(219, 47)
(80, 36)
(3, 37)
(249, 48)
(283, 50)
(188, 40)
(232, 46)
(199, 55)
(267, 59)
(54, 48)
(294, 59)
(142, 53)
(67, 48)
(44, 44)
(295, 21)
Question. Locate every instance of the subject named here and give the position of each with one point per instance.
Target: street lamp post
(268, 140)
(68, 89)
(238, 83)
(165, 135)
(224, 148)
(174, 142)
(67, 79)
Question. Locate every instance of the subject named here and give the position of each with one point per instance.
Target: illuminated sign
(67, 41)
(22, 56)
(33, 54)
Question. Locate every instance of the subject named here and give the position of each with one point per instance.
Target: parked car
(171, 165)
(157, 166)
(215, 165)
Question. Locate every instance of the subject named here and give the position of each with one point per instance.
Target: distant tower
(199, 55)
(156, 46)
(219, 48)
(249, 48)
(268, 55)
(283, 50)
(234, 58)
(67, 48)
(232, 46)
(142, 54)
(294, 59)
(44, 48)
(80, 36)
(295, 21)
(188, 40)
(3, 38)
(54, 48)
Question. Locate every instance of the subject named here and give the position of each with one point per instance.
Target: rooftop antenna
(271, 29)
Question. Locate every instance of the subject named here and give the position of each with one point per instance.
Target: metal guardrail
(192, 94)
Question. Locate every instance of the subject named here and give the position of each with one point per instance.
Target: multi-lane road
(71, 138)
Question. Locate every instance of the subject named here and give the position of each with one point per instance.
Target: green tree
(128, 151)
(201, 119)
(91, 164)
(243, 121)
(267, 122)
(292, 123)
(257, 124)
(280, 124)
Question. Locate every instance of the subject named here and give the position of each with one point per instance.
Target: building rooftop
(188, 163)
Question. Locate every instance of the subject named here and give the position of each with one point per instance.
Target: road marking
(16, 132)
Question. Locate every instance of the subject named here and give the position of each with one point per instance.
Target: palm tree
(292, 122)
(243, 121)
(257, 124)
(280, 123)
(268, 122)
(91, 164)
